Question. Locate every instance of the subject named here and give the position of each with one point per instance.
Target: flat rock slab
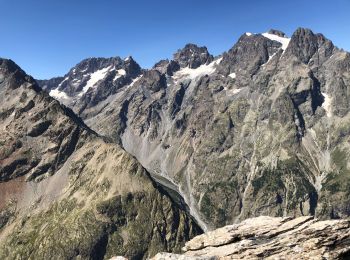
(271, 238)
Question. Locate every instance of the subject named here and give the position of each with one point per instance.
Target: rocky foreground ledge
(271, 238)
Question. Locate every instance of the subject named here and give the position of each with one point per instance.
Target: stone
(271, 238)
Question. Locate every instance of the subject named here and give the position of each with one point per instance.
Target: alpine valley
(113, 159)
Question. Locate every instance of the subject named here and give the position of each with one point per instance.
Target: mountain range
(121, 160)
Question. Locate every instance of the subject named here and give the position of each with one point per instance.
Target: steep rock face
(192, 56)
(50, 84)
(167, 67)
(271, 238)
(260, 130)
(65, 193)
(248, 54)
(306, 45)
(38, 134)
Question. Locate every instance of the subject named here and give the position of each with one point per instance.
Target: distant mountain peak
(305, 43)
(277, 32)
(92, 80)
(128, 58)
(193, 56)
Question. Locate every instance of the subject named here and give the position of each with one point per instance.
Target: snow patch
(205, 69)
(94, 78)
(65, 79)
(60, 95)
(270, 57)
(283, 40)
(120, 73)
(232, 75)
(218, 61)
(327, 104)
(83, 70)
(192, 53)
(134, 81)
(248, 34)
(76, 82)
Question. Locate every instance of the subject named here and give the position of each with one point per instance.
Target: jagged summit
(249, 53)
(193, 56)
(80, 84)
(32, 119)
(277, 32)
(304, 44)
(271, 31)
(13, 76)
(167, 67)
(95, 79)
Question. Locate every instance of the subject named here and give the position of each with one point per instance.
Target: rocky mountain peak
(193, 56)
(277, 32)
(93, 64)
(12, 76)
(304, 44)
(161, 65)
(8, 66)
(31, 119)
(167, 67)
(132, 67)
(153, 80)
(92, 80)
(249, 53)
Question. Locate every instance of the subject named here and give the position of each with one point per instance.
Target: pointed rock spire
(304, 44)
(193, 56)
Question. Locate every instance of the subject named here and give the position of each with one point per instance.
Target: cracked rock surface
(271, 238)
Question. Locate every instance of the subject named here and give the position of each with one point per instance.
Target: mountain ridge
(136, 161)
(167, 90)
(201, 114)
(67, 193)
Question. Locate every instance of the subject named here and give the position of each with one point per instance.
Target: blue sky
(47, 37)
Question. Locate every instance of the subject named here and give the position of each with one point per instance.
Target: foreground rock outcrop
(271, 238)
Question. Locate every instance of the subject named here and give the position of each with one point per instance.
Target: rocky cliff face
(38, 134)
(271, 238)
(260, 130)
(66, 193)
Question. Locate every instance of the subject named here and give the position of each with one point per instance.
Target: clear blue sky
(47, 37)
